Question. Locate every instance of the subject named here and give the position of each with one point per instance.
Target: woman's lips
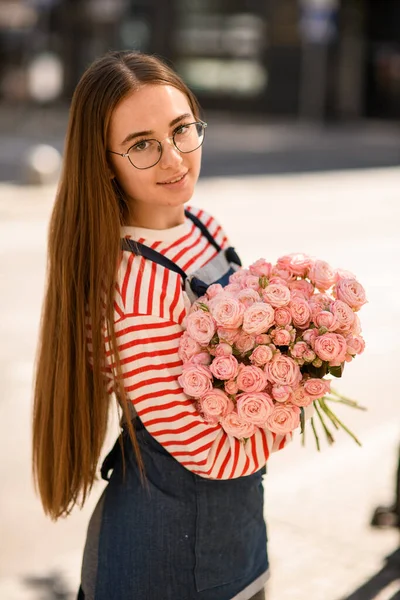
(172, 183)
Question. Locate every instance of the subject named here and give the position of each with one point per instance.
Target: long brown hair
(71, 402)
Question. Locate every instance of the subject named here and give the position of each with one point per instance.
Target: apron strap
(110, 459)
(203, 229)
(160, 259)
(230, 252)
(153, 255)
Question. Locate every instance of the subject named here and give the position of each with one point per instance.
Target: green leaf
(263, 281)
(336, 371)
(203, 306)
(318, 372)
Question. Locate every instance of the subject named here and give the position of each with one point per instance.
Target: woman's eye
(182, 129)
(140, 146)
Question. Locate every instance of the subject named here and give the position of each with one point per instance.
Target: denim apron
(179, 536)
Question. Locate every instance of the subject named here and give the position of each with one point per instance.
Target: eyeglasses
(147, 153)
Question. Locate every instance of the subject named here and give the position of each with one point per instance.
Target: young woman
(182, 515)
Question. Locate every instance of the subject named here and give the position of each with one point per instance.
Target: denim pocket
(231, 541)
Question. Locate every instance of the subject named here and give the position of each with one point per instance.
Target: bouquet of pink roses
(256, 353)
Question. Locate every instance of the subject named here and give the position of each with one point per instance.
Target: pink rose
(244, 342)
(248, 296)
(301, 313)
(233, 288)
(237, 427)
(355, 344)
(298, 264)
(321, 275)
(351, 292)
(309, 355)
(283, 273)
(258, 318)
(231, 387)
(196, 306)
(317, 388)
(238, 276)
(227, 335)
(309, 336)
(223, 349)
(261, 355)
(344, 316)
(284, 418)
(276, 295)
(215, 405)
(280, 337)
(356, 325)
(342, 274)
(281, 393)
(224, 367)
(300, 398)
(201, 327)
(251, 281)
(283, 316)
(203, 358)
(327, 346)
(228, 312)
(188, 347)
(320, 302)
(278, 281)
(297, 294)
(255, 407)
(214, 289)
(341, 357)
(195, 380)
(263, 338)
(301, 285)
(283, 370)
(325, 319)
(251, 379)
(260, 268)
(299, 349)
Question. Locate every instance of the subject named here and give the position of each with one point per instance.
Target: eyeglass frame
(170, 137)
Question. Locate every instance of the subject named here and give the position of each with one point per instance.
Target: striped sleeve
(148, 350)
(106, 371)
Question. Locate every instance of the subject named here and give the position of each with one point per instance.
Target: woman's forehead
(151, 107)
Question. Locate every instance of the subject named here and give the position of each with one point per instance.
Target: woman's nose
(170, 154)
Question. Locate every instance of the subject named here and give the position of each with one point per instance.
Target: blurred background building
(324, 60)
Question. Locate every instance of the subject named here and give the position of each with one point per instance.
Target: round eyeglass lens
(189, 137)
(145, 154)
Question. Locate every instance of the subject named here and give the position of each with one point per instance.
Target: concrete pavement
(318, 505)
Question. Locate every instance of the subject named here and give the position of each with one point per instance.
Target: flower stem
(328, 434)
(344, 400)
(315, 434)
(339, 422)
(331, 416)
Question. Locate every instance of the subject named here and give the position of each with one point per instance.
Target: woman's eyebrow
(131, 136)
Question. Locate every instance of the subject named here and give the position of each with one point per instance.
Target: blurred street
(235, 144)
(318, 505)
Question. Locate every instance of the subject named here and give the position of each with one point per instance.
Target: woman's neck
(156, 218)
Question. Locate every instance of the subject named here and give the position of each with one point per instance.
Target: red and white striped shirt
(150, 306)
